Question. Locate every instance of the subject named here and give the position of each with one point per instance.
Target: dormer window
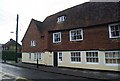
(61, 19)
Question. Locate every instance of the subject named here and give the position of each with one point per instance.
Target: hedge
(10, 55)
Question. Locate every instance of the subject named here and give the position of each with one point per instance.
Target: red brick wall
(32, 34)
(94, 38)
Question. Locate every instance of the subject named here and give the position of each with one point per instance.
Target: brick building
(84, 36)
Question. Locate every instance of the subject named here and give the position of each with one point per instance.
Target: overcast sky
(28, 9)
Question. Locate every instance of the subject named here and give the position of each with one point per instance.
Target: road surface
(13, 73)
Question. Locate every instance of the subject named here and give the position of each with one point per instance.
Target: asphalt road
(13, 72)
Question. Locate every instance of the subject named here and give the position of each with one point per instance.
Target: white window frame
(110, 34)
(37, 55)
(61, 19)
(92, 62)
(110, 64)
(54, 37)
(76, 39)
(33, 42)
(30, 55)
(59, 60)
(75, 61)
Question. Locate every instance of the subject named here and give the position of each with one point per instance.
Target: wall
(32, 33)
(100, 66)
(94, 38)
(46, 58)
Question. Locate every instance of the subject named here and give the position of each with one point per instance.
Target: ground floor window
(37, 56)
(92, 57)
(30, 55)
(60, 57)
(75, 57)
(112, 57)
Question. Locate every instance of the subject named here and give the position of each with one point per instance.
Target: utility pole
(17, 38)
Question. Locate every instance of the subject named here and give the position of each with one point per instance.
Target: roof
(83, 15)
(38, 24)
(11, 42)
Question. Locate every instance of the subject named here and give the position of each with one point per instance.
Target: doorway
(55, 59)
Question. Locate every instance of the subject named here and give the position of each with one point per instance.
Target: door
(55, 59)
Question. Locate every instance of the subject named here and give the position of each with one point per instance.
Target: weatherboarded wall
(47, 59)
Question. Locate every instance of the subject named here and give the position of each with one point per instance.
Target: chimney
(11, 39)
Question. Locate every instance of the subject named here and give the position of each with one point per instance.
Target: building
(85, 36)
(0, 52)
(11, 46)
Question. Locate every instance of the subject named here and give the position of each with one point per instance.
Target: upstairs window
(57, 37)
(76, 35)
(61, 19)
(33, 43)
(114, 30)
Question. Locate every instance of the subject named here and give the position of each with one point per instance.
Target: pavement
(90, 74)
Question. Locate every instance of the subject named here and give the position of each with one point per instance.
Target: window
(56, 37)
(60, 57)
(37, 56)
(114, 30)
(112, 57)
(75, 57)
(30, 55)
(61, 19)
(33, 43)
(76, 35)
(92, 57)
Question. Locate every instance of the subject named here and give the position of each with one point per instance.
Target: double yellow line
(16, 77)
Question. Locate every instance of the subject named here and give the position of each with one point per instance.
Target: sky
(28, 9)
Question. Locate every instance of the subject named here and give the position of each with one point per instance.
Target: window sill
(112, 65)
(60, 61)
(91, 63)
(75, 62)
(76, 40)
(114, 37)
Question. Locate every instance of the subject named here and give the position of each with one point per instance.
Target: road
(14, 72)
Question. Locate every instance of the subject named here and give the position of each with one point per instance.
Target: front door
(55, 59)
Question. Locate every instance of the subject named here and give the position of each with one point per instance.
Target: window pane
(116, 27)
(96, 59)
(118, 61)
(112, 28)
(107, 61)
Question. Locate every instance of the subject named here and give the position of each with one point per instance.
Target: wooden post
(17, 38)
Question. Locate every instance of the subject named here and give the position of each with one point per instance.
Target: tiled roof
(11, 42)
(83, 15)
